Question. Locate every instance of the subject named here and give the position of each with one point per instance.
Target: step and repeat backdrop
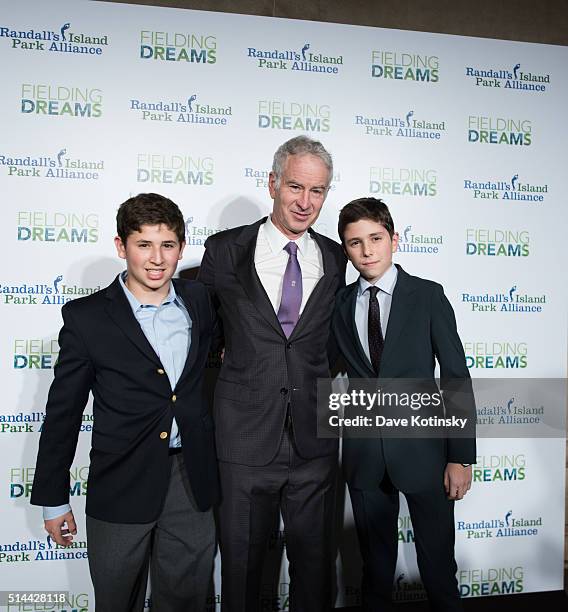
(463, 138)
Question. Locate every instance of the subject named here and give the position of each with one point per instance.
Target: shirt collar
(386, 283)
(277, 241)
(135, 303)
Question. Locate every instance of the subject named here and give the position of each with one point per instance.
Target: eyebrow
(379, 233)
(293, 182)
(143, 241)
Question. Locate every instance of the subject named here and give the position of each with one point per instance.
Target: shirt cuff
(51, 512)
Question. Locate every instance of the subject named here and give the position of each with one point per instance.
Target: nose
(304, 200)
(367, 248)
(156, 254)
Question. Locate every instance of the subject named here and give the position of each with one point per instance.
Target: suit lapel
(329, 270)
(121, 313)
(402, 305)
(245, 271)
(189, 303)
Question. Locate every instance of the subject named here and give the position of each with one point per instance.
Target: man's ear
(272, 185)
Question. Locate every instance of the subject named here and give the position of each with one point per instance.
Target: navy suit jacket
(104, 350)
(421, 329)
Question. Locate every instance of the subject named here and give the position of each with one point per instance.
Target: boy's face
(151, 258)
(369, 248)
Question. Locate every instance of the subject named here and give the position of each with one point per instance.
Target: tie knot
(291, 248)
(373, 292)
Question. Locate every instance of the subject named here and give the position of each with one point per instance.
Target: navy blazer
(104, 350)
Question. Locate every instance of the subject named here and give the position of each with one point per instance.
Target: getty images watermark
(464, 408)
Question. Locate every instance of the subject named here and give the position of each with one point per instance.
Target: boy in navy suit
(390, 325)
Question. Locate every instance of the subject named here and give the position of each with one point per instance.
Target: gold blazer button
(163, 435)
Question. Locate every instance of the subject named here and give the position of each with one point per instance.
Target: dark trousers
(303, 491)
(177, 548)
(376, 519)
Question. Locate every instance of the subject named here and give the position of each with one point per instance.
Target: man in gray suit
(274, 284)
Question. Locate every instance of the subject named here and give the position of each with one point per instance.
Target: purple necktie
(289, 311)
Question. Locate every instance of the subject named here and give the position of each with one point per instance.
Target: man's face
(301, 194)
(369, 248)
(151, 257)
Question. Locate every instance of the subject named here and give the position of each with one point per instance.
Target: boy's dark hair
(365, 208)
(149, 209)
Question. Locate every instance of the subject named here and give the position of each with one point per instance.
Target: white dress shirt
(386, 286)
(270, 260)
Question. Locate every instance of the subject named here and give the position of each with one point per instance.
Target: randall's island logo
(410, 240)
(496, 355)
(513, 77)
(307, 58)
(178, 47)
(65, 38)
(499, 131)
(55, 292)
(491, 581)
(60, 164)
(32, 422)
(61, 100)
(35, 353)
(404, 66)
(175, 169)
(500, 468)
(414, 182)
(57, 226)
(21, 422)
(510, 412)
(24, 551)
(513, 189)
(512, 300)
(293, 115)
(509, 525)
(408, 588)
(497, 243)
(408, 125)
(195, 109)
(196, 233)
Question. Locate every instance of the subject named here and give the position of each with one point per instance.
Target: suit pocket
(232, 390)
(109, 444)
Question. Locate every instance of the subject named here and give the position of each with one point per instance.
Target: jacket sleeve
(207, 277)
(74, 376)
(455, 381)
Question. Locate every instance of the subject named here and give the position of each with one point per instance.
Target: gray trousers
(177, 549)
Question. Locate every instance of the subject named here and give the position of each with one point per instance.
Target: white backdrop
(463, 138)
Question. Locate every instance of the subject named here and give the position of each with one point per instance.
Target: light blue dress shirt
(386, 284)
(167, 328)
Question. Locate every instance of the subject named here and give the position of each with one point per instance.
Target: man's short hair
(149, 209)
(300, 145)
(365, 208)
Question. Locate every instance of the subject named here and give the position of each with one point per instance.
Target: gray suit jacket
(264, 372)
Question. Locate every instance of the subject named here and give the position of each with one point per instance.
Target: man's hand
(457, 480)
(62, 529)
